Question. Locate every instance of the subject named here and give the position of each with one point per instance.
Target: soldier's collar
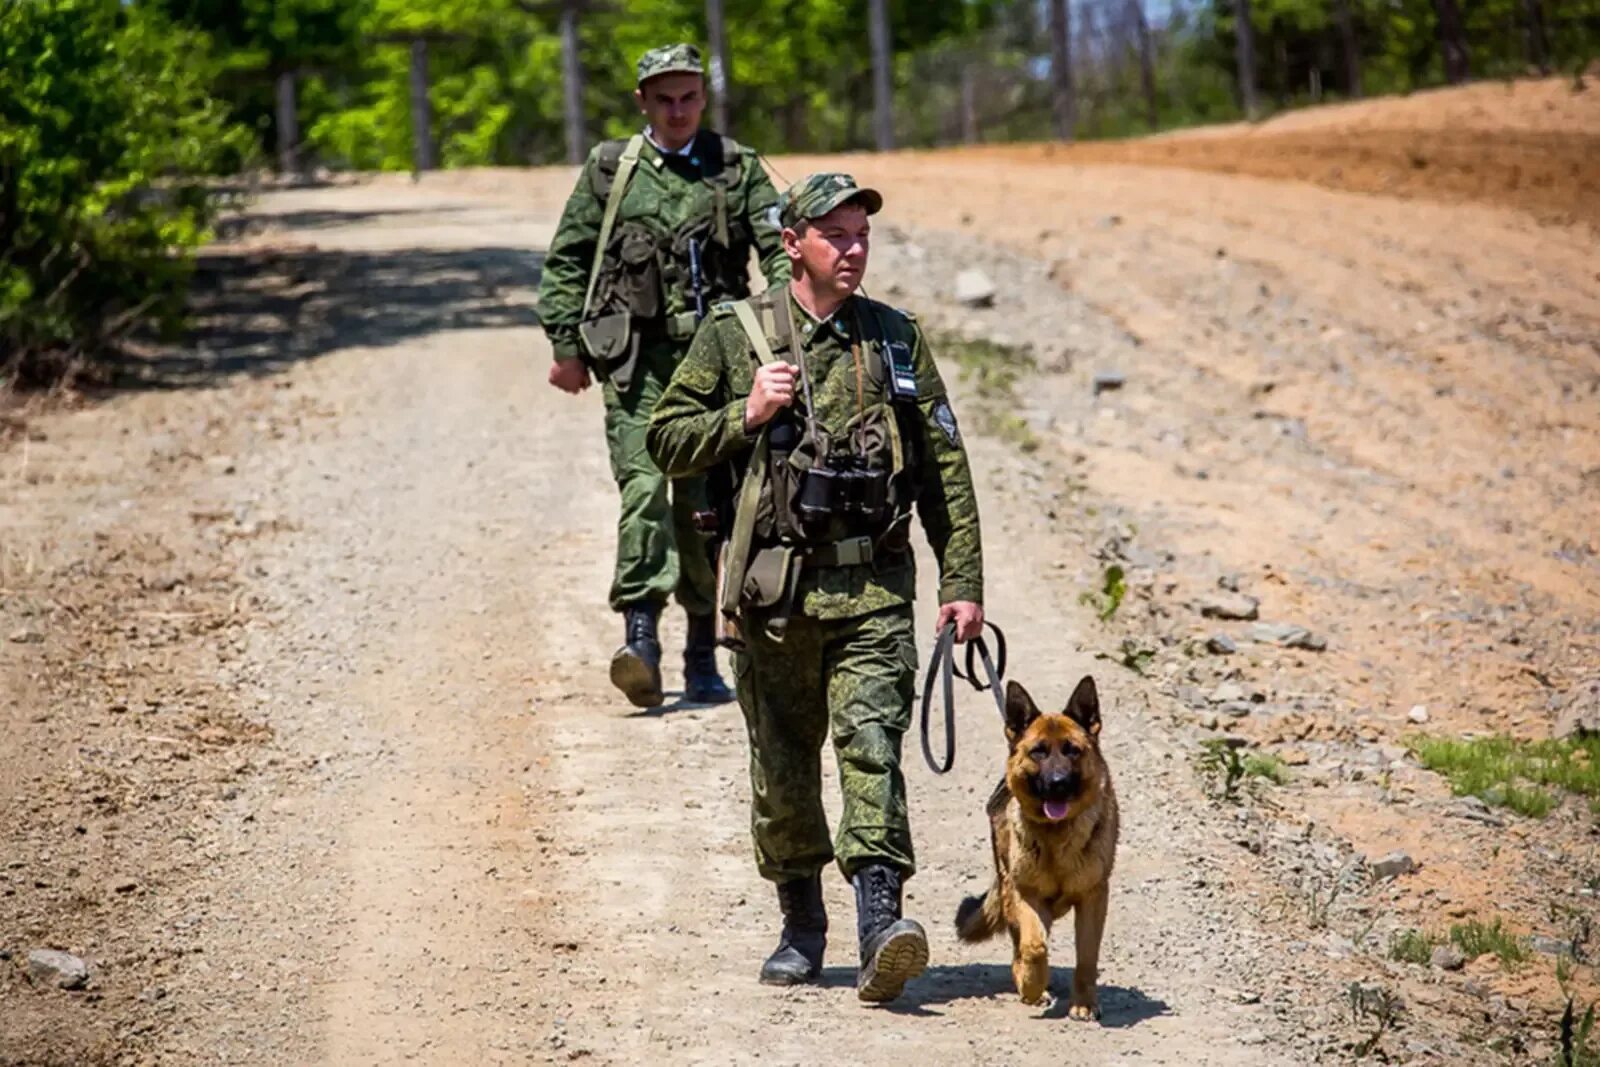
(687, 151)
(809, 325)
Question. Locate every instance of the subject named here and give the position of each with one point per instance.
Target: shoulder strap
(755, 477)
(619, 185)
(752, 329)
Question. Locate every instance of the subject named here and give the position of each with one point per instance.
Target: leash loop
(942, 665)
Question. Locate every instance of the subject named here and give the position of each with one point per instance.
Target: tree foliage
(106, 127)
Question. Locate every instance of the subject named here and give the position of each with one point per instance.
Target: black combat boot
(636, 666)
(702, 684)
(893, 950)
(798, 957)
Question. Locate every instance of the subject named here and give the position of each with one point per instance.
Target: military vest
(648, 269)
(813, 495)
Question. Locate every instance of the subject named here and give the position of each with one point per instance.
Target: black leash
(943, 666)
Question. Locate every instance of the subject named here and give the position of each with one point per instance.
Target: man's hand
(772, 391)
(967, 616)
(569, 375)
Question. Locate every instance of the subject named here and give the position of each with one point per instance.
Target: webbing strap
(755, 477)
(625, 167)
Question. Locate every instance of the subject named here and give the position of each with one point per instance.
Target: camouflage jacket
(666, 194)
(699, 424)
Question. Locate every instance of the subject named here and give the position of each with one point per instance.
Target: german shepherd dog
(1053, 825)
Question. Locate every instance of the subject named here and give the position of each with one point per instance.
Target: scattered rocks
(25, 637)
(1226, 693)
(1225, 605)
(1108, 381)
(1550, 946)
(1287, 635)
(1295, 757)
(1393, 866)
(1448, 958)
(1220, 644)
(1418, 714)
(975, 289)
(1581, 716)
(63, 969)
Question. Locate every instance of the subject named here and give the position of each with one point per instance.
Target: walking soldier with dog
(658, 229)
(823, 417)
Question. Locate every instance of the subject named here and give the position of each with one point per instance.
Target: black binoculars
(843, 490)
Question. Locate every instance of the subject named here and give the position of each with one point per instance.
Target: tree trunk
(969, 104)
(1245, 53)
(1453, 42)
(717, 34)
(1538, 41)
(572, 83)
(1147, 63)
(288, 126)
(422, 157)
(1063, 96)
(1352, 51)
(882, 75)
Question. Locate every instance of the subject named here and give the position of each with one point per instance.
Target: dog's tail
(980, 918)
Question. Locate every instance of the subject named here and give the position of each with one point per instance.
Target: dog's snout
(1059, 785)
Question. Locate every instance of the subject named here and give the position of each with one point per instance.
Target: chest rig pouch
(645, 278)
(812, 497)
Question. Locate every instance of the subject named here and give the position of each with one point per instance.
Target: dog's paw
(1084, 1013)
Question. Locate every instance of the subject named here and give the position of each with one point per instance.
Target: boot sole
(638, 681)
(898, 960)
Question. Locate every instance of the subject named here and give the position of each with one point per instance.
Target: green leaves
(106, 127)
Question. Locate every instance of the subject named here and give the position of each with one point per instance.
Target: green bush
(106, 128)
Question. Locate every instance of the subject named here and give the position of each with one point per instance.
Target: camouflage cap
(670, 59)
(817, 194)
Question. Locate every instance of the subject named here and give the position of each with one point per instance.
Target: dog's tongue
(1055, 810)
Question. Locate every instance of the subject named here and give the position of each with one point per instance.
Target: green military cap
(817, 194)
(670, 59)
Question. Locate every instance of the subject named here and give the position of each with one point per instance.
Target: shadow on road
(255, 311)
(1120, 1006)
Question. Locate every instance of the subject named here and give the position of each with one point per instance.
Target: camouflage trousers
(852, 679)
(659, 552)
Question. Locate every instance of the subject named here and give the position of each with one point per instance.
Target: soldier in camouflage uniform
(690, 206)
(811, 377)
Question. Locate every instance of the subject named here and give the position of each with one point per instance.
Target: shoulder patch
(910, 317)
(944, 417)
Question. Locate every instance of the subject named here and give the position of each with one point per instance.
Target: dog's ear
(1020, 711)
(1084, 706)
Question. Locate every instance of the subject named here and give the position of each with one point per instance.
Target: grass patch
(1476, 939)
(1224, 769)
(1108, 598)
(1266, 766)
(1413, 946)
(994, 372)
(1518, 775)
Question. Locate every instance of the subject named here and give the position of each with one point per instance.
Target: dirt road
(308, 666)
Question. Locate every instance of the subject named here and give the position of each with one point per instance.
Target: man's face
(832, 250)
(672, 104)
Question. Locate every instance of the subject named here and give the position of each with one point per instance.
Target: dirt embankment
(1533, 146)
